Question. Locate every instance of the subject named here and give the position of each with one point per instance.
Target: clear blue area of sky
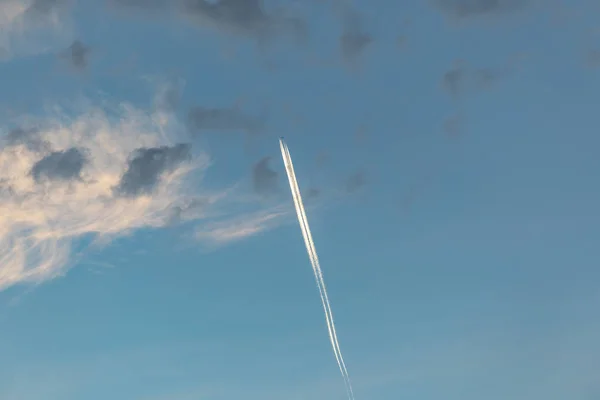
(466, 268)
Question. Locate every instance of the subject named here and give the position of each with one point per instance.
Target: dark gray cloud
(180, 213)
(60, 166)
(147, 165)
(474, 8)
(353, 44)
(264, 180)
(354, 39)
(356, 182)
(28, 137)
(247, 17)
(143, 5)
(454, 80)
(240, 17)
(77, 55)
(313, 193)
(223, 119)
(460, 79)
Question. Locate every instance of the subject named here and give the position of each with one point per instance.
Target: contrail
(314, 260)
(312, 252)
(315, 264)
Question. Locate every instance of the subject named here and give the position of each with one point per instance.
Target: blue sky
(448, 150)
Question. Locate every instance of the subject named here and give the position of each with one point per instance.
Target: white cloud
(40, 220)
(32, 26)
(218, 233)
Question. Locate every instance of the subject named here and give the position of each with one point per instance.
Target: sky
(447, 151)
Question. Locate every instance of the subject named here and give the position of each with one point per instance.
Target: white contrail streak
(314, 260)
(316, 266)
(310, 248)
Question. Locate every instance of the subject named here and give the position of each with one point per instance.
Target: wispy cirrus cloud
(105, 173)
(33, 26)
(219, 232)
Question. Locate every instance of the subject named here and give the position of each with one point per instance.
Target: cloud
(188, 210)
(105, 172)
(356, 182)
(353, 44)
(354, 39)
(60, 165)
(486, 77)
(168, 95)
(166, 101)
(313, 193)
(26, 137)
(264, 179)
(243, 17)
(32, 26)
(218, 233)
(460, 79)
(77, 55)
(148, 165)
(247, 18)
(474, 8)
(142, 5)
(454, 79)
(43, 8)
(224, 120)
